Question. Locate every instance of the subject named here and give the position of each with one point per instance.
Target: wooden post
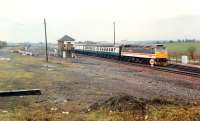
(199, 59)
(114, 31)
(45, 29)
(20, 92)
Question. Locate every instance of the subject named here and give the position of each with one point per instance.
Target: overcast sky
(22, 20)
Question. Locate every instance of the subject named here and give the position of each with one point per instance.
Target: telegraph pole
(45, 29)
(114, 31)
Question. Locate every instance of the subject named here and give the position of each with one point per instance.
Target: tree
(3, 44)
(191, 50)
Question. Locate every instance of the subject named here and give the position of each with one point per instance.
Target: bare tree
(191, 51)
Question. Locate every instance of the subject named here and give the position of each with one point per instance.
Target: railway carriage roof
(145, 45)
(99, 45)
(127, 45)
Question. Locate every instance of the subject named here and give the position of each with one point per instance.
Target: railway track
(171, 68)
(183, 70)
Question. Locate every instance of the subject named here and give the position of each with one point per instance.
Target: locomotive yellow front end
(161, 55)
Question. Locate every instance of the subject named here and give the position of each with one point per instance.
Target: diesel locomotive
(146, 54)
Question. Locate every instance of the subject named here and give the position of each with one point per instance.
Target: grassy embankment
(183, 47)
(177, 49)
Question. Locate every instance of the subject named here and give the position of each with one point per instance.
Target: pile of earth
(124, 102)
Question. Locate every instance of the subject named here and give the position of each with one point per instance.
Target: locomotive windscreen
(138, 49)
(160, 48)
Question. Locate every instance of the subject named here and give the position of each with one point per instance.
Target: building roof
(66, 38)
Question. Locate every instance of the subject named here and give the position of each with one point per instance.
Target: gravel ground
(113, 78)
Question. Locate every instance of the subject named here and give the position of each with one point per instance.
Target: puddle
(4, 59)
(49, 67)
(87, 63)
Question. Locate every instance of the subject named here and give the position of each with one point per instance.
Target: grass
(177, 50)
(154, 113)
(174, 113)
(28, 69)
(182, 47)
(5, 75)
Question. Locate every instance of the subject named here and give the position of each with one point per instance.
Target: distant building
(65, 46)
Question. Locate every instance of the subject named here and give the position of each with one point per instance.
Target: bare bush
(191, 51)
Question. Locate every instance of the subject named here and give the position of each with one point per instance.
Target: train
(154, 54)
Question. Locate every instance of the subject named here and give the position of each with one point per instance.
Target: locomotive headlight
(152, 62)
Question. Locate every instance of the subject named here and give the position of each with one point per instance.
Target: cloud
(179, 27)
(22, 20)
